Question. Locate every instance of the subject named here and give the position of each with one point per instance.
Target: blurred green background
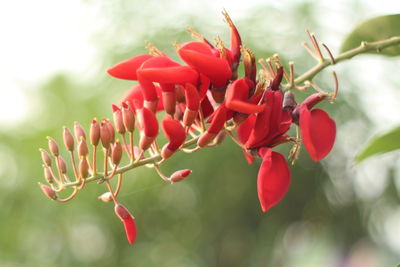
(335, 213)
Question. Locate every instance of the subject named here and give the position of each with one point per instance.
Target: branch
(363, 48)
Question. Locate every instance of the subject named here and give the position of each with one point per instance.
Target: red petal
(245, 128)
(127, 69)
(200, 47)
(318, 132)
(192, 97)
(204, 85)
(273, 179)
(130, 229)
(217, 69)
(135, 97)
(149, 122)
(236, 97)
(218, 120)
(128, 221)
(175, 133)
(174, 75)
(206, 107)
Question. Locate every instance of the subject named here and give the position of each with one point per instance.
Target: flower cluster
(203, 99)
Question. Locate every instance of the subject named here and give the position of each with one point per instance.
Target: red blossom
(273, 179)
(128, 221)
(318, 132)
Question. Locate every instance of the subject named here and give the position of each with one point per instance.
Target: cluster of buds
(203, 100)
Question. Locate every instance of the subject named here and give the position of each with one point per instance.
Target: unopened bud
(45, 157)
(83, 167)
(48, 175)
(122, 212)
(68, 139)
(289, 103)
(83, 149)
(50, 193)
(116, 153)
(79, 131)
(128, 117)
(118, 122)
(62, 165)
(106, 197)
(111, 130)
(105, 135)
(179, 175)
(94, 133)
(53, 147)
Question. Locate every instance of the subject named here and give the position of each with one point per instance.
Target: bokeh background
(53, 57)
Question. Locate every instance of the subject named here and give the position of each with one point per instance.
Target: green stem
(363, 48)
(131, 165)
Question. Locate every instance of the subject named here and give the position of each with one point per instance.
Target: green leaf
(381, 144)
(375, 29)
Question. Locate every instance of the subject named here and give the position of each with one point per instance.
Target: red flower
(273, 178)
(318, 129)
(128, 221)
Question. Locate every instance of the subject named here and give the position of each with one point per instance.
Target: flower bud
(83, 149)
(118, 121)
(150, 128)
(116, 153)
(111, 130)
(50, 193)
(128, 117)
(94, 133)
(48, 175)
(68, 139)
(179, 175)
(169, 101)
(128, 221)
(83, 167)
(106, 197)
(62, 165)
(105, 135)
(79, 132)
(45, 157)
(53, 147)
(289, 103)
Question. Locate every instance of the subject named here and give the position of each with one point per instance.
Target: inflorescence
(203, 100)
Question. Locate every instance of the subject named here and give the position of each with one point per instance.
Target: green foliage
(380, 144)
(375, 29)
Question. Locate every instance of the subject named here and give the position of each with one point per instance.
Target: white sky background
(43, 37)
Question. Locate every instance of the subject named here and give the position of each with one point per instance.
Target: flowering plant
(203, 99)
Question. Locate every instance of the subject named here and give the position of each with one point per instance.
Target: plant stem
(363, 48)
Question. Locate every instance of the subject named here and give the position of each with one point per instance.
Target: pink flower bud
(179, 175)
(53, 147)
(128, 221)
(83, 149)
(83, 167)
(106, 197)
(79, 131)
(116, 153)
(118, 122)
(150, 128)
(94, 133)
(169, 101)
(128, 117)
(50, 193)
(48, 175)
(111, 130)
(105, 135)
(68, 139)
(62, 165)
(45, 157)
